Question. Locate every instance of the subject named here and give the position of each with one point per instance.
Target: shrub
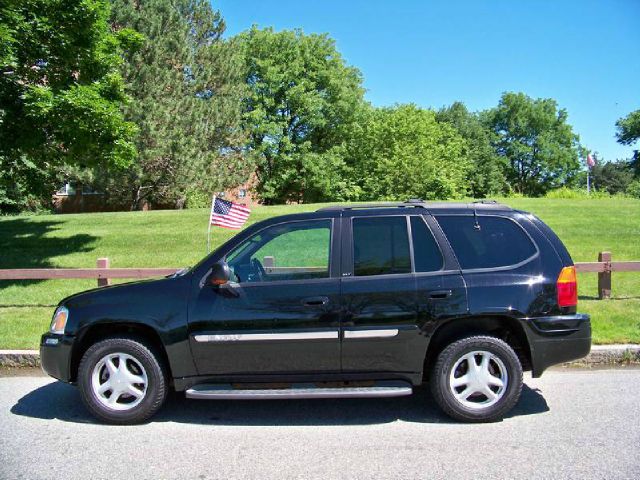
(576, 193)
(633, 190)
(197, 199)
(567, 193)
(513, 194)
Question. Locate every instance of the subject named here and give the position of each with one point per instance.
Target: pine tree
(186, 87)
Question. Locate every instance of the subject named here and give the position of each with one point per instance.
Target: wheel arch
(101, 331)
(506, 328)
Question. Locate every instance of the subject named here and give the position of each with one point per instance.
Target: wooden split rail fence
(604, 267)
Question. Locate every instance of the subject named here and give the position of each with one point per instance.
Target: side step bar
(298, 390)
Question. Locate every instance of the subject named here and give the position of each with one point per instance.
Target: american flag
(228, 214)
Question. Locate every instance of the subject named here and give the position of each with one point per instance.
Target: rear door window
(497, 242)
(426, 254)
(380, 246)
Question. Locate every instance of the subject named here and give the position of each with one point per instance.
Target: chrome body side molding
(252, 337)
(379, 333)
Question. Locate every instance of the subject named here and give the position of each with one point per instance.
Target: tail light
(567, 285)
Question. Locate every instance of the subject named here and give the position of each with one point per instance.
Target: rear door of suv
(395, 283)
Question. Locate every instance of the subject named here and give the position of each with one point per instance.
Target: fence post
(604, 278)
(103, 263)
(268, 263)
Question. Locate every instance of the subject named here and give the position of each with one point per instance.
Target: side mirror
(220, 274)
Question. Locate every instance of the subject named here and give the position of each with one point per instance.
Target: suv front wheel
(121, 381)
(477, 379)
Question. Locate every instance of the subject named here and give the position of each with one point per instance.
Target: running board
(299, 390)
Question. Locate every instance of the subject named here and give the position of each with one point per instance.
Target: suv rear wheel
(477, 379)
(121, 381)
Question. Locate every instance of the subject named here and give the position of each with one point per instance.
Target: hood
(122, 291)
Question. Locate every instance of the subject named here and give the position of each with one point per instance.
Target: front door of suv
(281, 313)
(395, 286)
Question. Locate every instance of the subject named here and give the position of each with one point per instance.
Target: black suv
(354, 301)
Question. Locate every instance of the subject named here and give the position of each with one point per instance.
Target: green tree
(486, 175)
(186, 84)
(612, 177)
(301, 104)
(536, 141)
(60, 95)
(404, 152)
(628, 133)
(628, 128)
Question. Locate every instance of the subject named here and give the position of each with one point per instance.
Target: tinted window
(289, 251)
(380, 246)
(426, 254)
(497, 243)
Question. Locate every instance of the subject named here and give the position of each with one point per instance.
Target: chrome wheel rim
(119, 381)
(478, 379)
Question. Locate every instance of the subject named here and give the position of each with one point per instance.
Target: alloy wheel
(478, 379)
(119, 381)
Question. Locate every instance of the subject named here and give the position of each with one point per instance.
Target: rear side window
(499, 242)
(380, 246)
(426, 254)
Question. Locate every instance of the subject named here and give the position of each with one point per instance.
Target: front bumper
(557, 339)
(55, 355)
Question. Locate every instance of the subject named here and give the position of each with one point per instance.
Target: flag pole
(213, 204)
(589, 161)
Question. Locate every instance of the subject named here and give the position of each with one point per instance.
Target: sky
(584, 54)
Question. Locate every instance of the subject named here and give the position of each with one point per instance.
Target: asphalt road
(568, 424)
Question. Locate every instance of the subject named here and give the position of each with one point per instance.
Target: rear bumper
(557, 339)
(55, 355)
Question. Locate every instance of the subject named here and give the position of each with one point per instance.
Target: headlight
(59, 320)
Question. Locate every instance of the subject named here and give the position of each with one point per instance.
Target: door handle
(440, 294)
(315, 301)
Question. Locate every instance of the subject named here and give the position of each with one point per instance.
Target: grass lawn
(178, 238)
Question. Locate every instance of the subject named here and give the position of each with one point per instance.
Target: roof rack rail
(419, 203)
(413, 203)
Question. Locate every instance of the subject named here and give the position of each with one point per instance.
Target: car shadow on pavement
(61, 401)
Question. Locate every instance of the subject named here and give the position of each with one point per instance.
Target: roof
(478, 205)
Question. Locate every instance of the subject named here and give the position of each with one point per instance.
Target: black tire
(459, 409)
(156, 385)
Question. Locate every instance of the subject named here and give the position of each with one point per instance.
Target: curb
(600, 355)
(19, 358)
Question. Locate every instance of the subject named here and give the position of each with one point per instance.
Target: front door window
(290, 251)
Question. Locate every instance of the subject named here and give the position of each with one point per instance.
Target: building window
(242, 193)
(88, 190)
(66, 190)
